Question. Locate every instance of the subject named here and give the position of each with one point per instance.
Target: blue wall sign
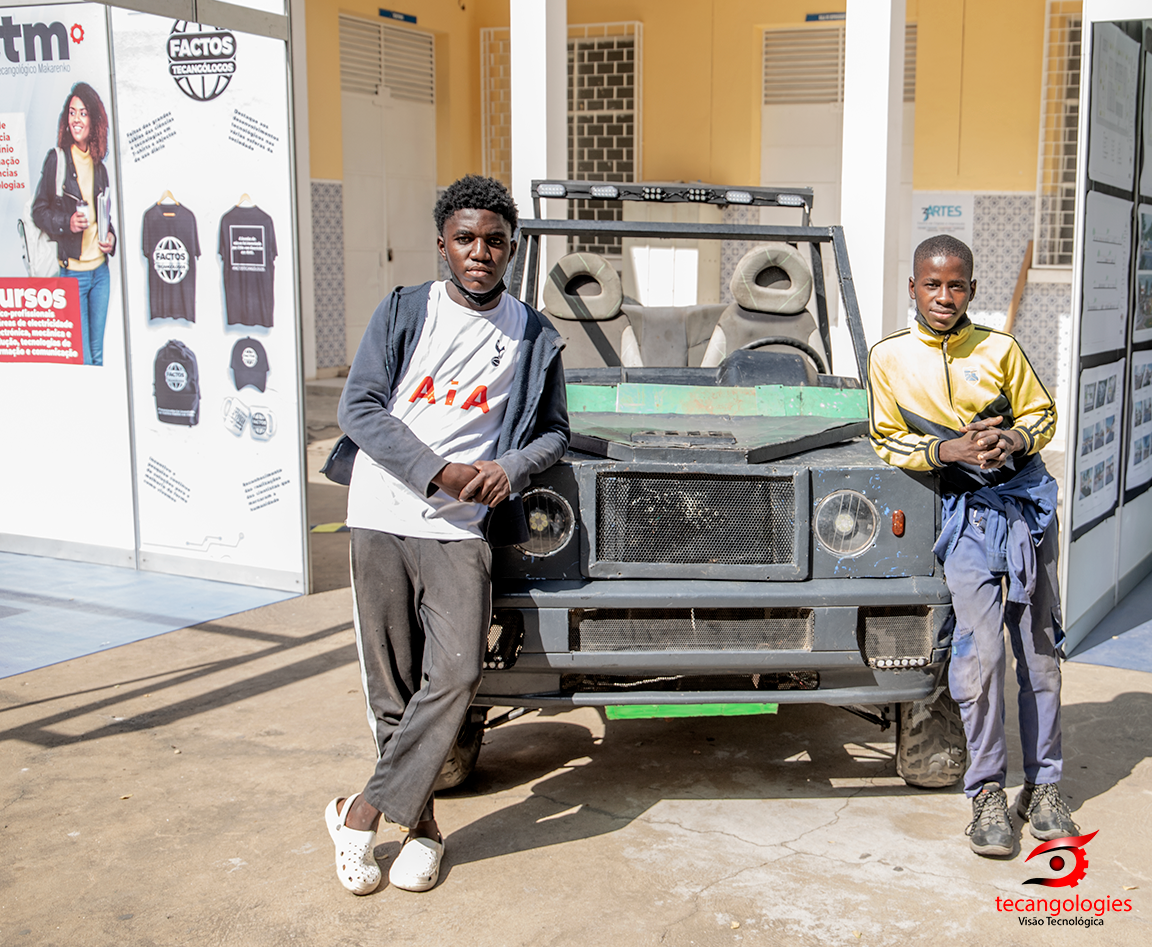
(393, 15)
(823, 17)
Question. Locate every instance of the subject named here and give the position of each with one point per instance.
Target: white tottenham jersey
(452, 396)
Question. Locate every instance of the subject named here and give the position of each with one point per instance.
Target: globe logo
(248, 357)
(170, 260)
(201, 59)
(175, 376)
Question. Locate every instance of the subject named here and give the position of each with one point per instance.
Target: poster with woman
(62, 352)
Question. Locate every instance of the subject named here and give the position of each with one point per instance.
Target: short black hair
(942, 244)
(475, 192)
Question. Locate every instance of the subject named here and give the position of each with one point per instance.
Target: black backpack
(177, 385)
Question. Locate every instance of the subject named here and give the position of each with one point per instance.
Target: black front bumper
(551, 666)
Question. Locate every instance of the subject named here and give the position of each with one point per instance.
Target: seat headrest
(784, 299)
(584, 287)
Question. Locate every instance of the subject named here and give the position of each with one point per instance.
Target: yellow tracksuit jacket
(923, 387)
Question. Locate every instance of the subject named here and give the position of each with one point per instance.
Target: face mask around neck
(479, 299)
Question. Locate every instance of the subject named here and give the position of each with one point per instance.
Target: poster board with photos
(68, 476)
(1139, 440)
(211, 309)
(1098, 425)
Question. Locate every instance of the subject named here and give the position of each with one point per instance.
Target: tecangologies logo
(202, 59)
(1073, 844)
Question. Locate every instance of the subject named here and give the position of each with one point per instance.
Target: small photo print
(1101, 393)
(1111, 389)
(1098, 477)
(1098, 441)
(1147, 442)
(1145, 242)
(1147, 410)
(1109, 471)
(1086, 443)
(1138, 377)
(1137, 413)
(1086, 483)
(1144, 300)
(1110, 429)
(1090, 396)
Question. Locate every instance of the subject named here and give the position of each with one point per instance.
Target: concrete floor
(171, 791)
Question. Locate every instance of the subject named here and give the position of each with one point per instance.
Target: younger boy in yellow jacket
(962, 400)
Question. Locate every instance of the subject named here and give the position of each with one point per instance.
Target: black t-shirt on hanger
(171, 246)
(248, 252)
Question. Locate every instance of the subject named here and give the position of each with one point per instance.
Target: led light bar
(699, 194)
(789, 200)
(653, 193)
(608, 192)
(738, 197)
(552, 190)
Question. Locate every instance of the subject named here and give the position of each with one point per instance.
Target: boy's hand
(490, 485)
(454, 478)
(982, 444)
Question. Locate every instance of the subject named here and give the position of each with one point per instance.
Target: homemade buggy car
(720, 532)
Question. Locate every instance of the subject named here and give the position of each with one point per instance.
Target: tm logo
(1074, 844)
(45, 33)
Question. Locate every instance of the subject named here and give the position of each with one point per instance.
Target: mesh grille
(690, 629)
(895, 632)
(686, 518)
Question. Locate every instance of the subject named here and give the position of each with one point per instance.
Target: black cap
(249, 364)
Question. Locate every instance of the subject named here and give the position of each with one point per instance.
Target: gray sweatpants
(422, 609)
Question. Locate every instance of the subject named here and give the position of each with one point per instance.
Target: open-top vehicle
(721, 532)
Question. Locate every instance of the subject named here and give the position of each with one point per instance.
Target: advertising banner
(62, 353)
(948, 212)
(208, 243)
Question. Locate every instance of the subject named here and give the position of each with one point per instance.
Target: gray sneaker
(1045, 812)
(990, 831)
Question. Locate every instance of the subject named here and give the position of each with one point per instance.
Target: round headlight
(846, 523)
(551, 522)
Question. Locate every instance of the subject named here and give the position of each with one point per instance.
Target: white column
(539, 38)
(870, 167)
(299, 76)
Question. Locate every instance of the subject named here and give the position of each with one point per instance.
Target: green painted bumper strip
(646, 711)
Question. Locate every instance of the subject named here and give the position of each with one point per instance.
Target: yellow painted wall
(977, 84)
(978, 94)
(453, 23)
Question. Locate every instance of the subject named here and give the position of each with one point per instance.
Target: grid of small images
(1098, 451)
(1140, 454)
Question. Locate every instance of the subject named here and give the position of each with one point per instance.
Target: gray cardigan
(535, 431)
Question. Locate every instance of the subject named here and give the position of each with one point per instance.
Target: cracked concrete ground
(170, 792)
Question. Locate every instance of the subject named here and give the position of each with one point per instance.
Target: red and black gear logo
(1074, 844)
(77, 33)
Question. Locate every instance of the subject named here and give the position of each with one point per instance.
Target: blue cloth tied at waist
(1017, 513)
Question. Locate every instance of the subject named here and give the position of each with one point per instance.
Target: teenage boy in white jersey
(455, 399)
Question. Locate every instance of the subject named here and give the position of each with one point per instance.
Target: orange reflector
(897, 522)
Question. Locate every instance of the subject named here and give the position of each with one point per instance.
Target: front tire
(931, 750)
(465, 751)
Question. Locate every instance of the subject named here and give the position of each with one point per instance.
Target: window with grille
(603, 102)
(374, 56)
(604, 97)
(1059, 129)
(805, 65)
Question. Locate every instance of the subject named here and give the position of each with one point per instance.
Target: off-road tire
(931, 751)
(465, 751)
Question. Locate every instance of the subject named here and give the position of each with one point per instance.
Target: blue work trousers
(976, 672)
